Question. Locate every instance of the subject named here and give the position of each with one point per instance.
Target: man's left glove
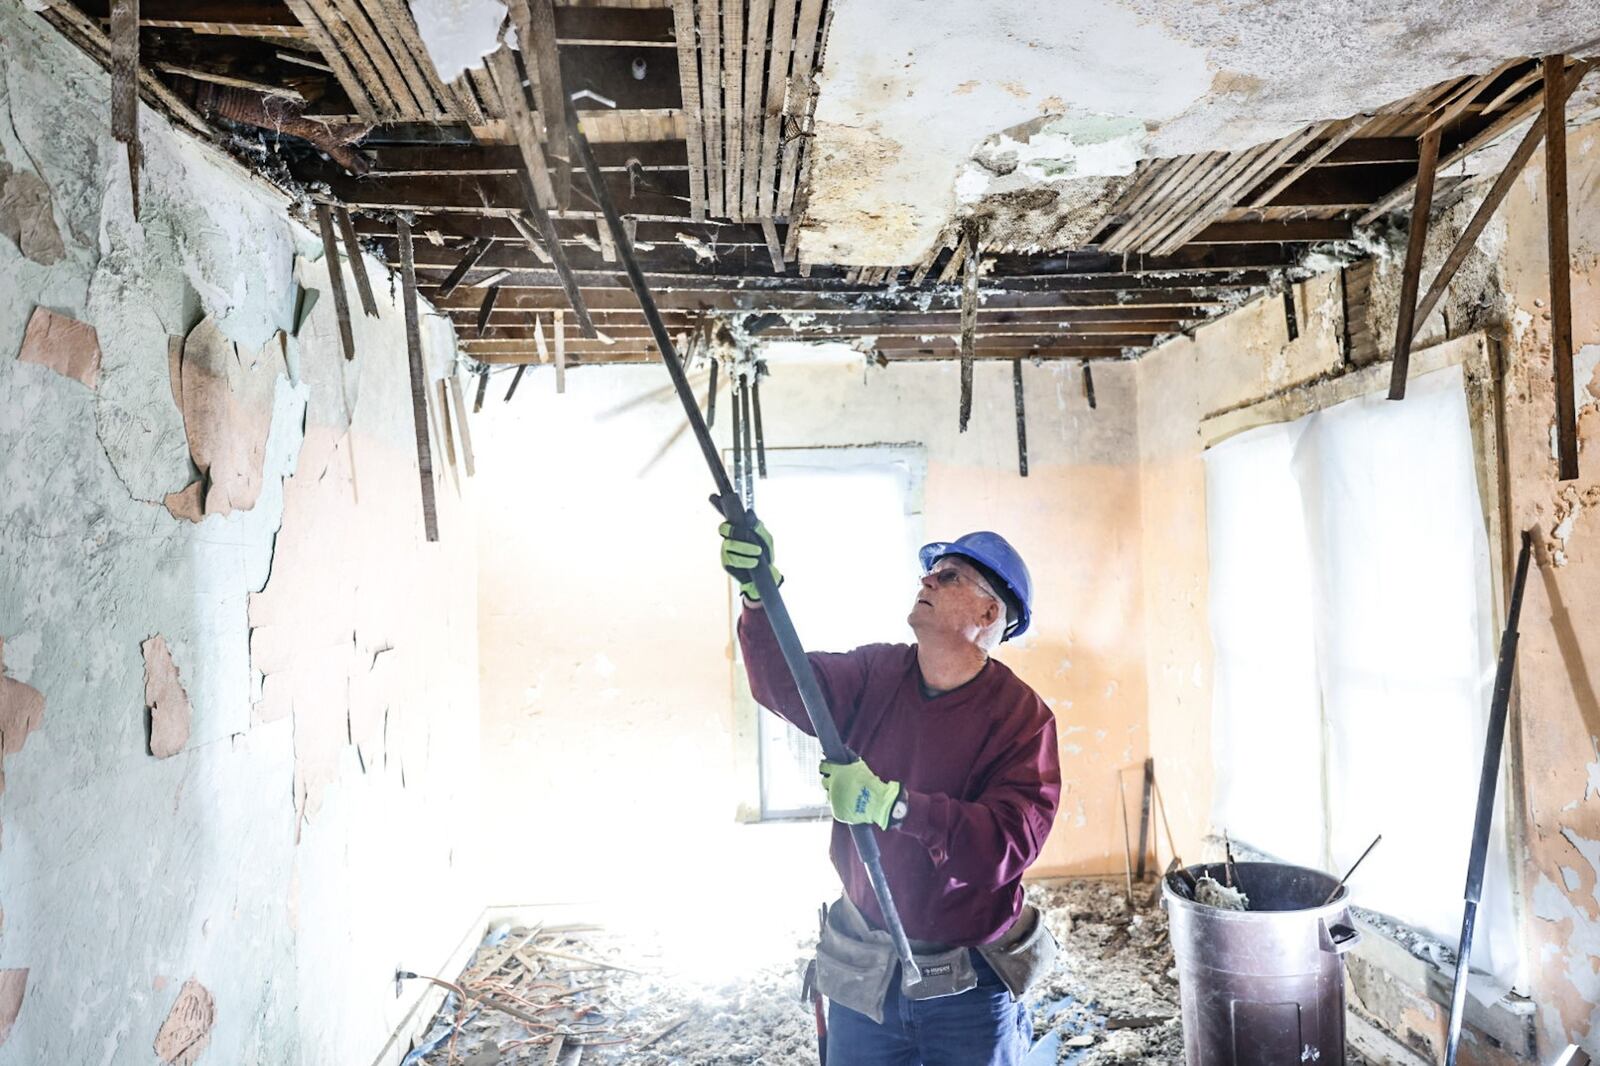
(857, 795)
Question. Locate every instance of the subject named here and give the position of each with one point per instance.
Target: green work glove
(858, 795)
(743, 550)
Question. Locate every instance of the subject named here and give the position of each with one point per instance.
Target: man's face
(953, 598)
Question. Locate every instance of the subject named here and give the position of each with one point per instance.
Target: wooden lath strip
(711, 101)
(1556, 92)
(1197, 194)
(1174, 188)
(1458, 107)
(1245, 178)
(755, 58)
(798, 101)
(125, 86)
(1161, 176)
(689, 85)
(1421, 208)
(732, 104)
(347, 58)
(419, 381)
(783, 14)
(394, 20)
(370, 40)
(1337, 133)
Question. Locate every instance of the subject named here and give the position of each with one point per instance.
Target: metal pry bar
(794, 654)
(1498, 706)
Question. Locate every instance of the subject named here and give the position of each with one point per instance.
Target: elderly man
(960, 773)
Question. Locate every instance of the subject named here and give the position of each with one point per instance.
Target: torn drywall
(62, 344)
(164, 699)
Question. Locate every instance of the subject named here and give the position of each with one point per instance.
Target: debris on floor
(611, 997)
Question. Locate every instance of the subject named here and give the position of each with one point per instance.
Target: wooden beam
(419, 382)
(1555, 198)
(536, 37)
(621, 298)
(778, 52)
(1493, 132)
(755, 61)
(732, 105)
(486, 309)
(1480, 219)
(1421, 205)
(1274, 232)
(797, 107)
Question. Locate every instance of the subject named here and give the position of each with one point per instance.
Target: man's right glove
(743, 549)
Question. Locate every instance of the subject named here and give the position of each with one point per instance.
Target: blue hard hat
(997, 559)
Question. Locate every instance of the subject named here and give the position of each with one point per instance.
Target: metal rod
(1352, 869)
(1022, 418)
(1498, 707)
(755, 407)
(749, 444)
(794, 654)
(737, 438)
(711, 394)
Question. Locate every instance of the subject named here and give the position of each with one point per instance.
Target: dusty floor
(1112, 999)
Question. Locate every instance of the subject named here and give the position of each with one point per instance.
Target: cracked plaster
(910, 89)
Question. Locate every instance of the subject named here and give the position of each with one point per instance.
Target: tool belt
(856, 962)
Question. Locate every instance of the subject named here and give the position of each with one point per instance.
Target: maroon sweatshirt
(980, 768)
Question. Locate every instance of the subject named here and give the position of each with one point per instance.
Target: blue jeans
(983, 1026)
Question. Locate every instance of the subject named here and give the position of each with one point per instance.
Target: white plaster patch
(458, 33)
(20, 650)
(1571, 878)
(1584, 362)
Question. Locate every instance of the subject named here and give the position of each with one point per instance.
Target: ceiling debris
(1136, 166)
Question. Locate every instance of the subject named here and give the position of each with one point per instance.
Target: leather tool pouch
(1025, 954)
(854, 962)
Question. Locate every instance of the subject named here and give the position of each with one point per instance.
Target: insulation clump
(1213, 893)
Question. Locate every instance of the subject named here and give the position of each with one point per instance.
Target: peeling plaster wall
(1503, 287)
(638, 650)
(910, 89)
(126, 876)
(1558, 720)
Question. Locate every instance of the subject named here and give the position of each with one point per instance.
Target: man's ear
(992, 612)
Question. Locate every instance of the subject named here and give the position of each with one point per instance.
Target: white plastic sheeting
(1353, 623)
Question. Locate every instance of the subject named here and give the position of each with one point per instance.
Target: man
(960, 773)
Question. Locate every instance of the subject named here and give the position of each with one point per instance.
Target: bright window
(846, 523)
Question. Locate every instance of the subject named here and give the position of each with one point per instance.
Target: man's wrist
(899, 808)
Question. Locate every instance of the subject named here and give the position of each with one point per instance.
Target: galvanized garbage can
(1263, 987)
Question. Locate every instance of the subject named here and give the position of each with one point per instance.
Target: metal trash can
(1263, 987)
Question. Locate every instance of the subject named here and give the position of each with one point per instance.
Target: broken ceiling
(810, 169)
